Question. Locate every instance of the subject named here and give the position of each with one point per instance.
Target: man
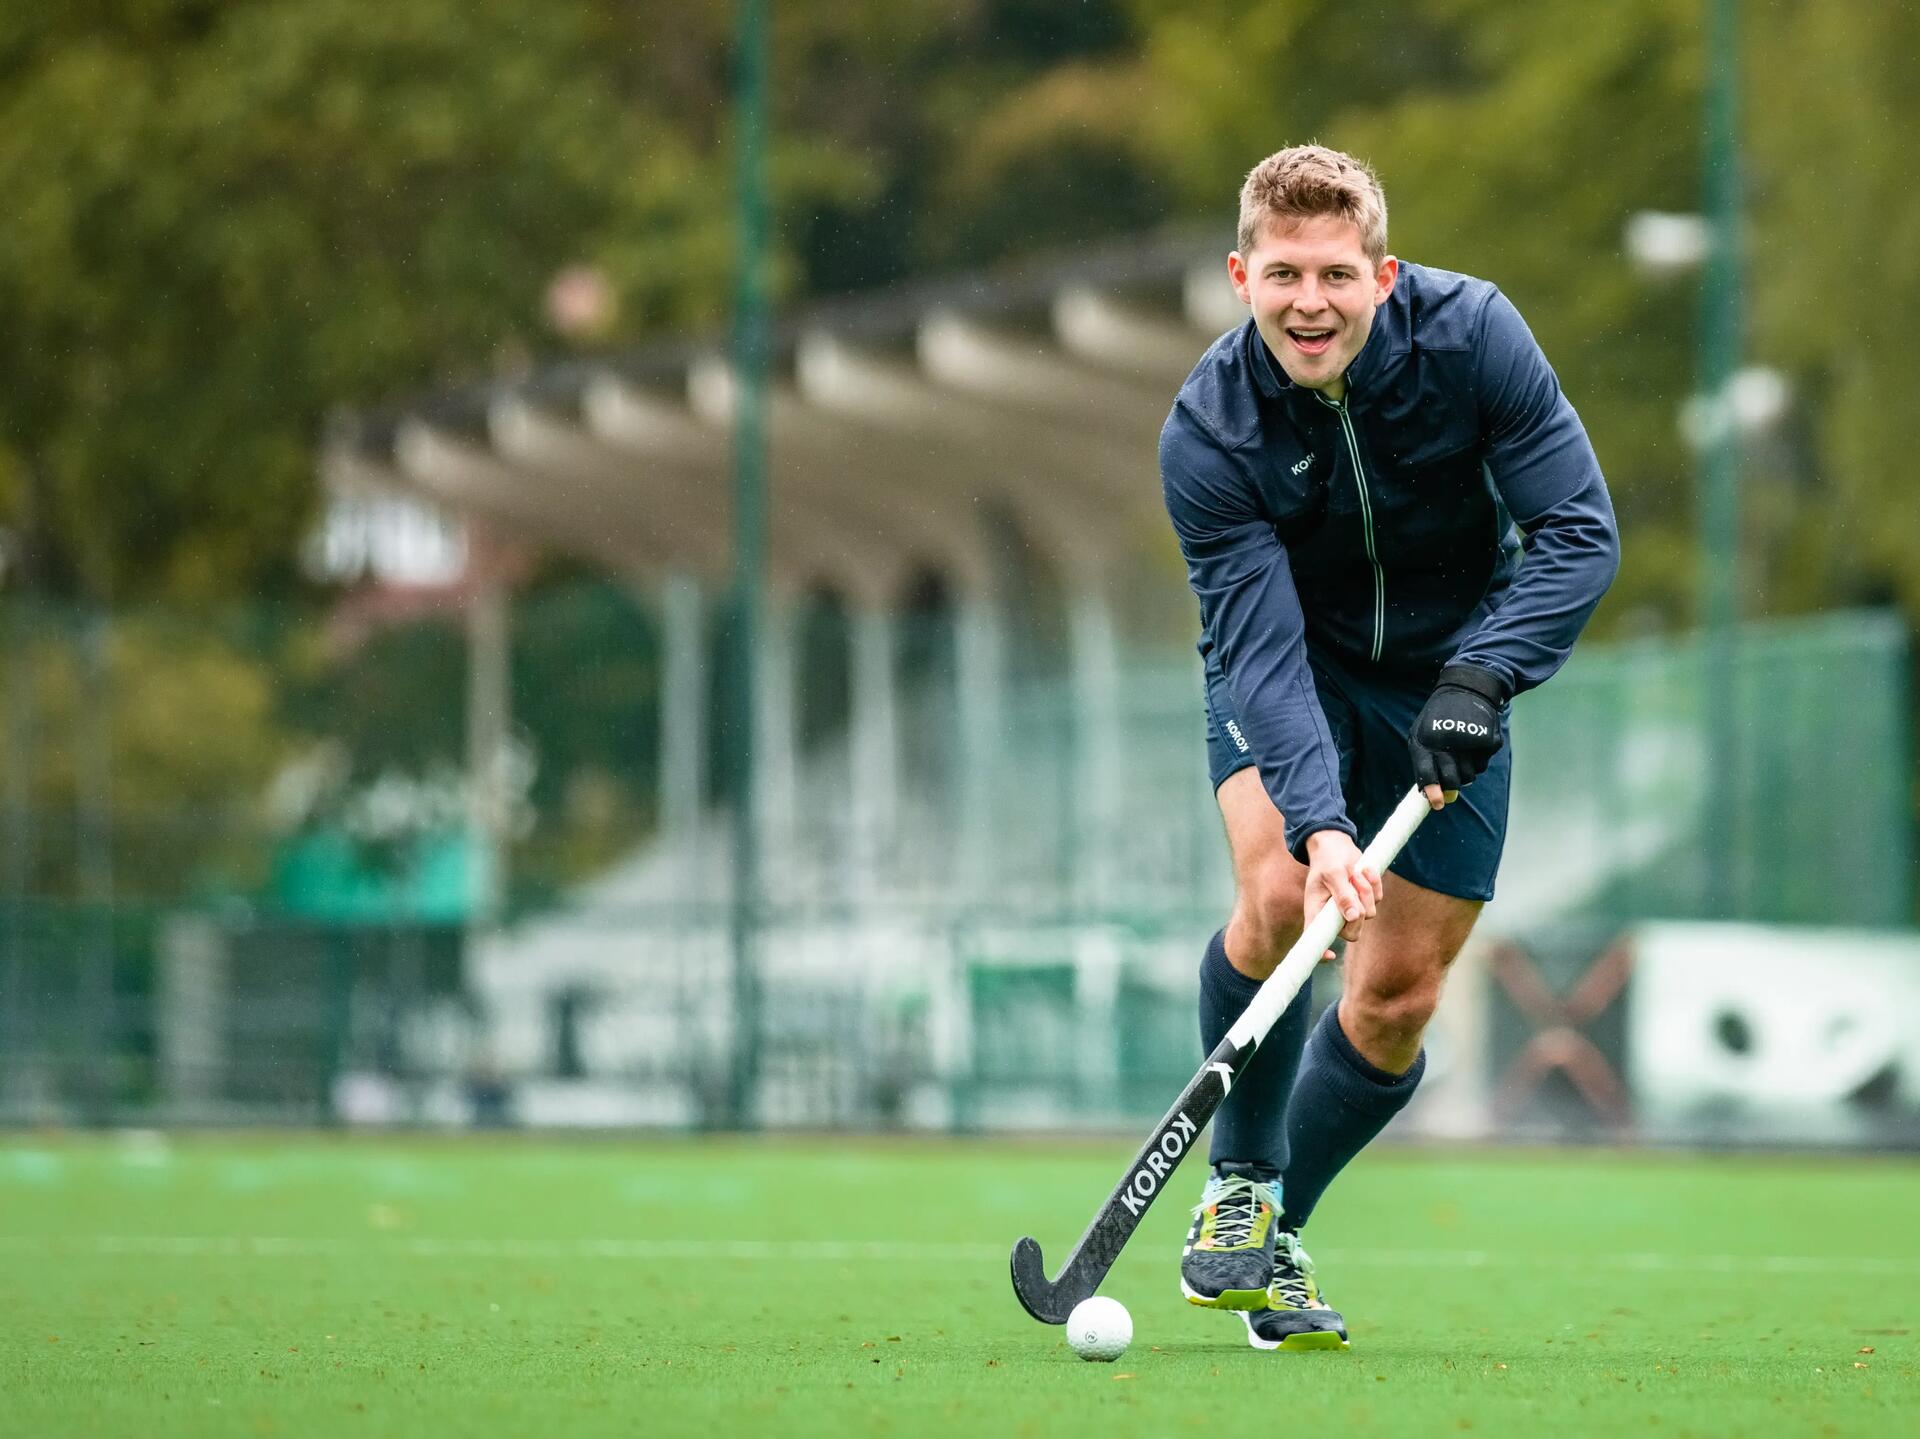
(1394, 523)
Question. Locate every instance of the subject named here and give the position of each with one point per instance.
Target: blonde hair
(1307, 181)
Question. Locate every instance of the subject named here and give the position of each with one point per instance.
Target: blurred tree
(180, 727)
(1835, 286)
(986, 126)
(224, 218)
(1055, 162)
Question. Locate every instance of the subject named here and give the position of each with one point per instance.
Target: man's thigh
(1256, 833)
(1411, 941)
(1418, 931)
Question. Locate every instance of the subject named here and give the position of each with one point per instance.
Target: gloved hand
(1458, 730)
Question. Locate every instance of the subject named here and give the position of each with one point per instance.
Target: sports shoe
(1228, 1261)
(1295, 1316)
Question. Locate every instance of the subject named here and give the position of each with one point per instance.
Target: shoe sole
(1307, 1341)
(1234, 1299)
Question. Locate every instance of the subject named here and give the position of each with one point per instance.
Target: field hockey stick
(1052, 1300)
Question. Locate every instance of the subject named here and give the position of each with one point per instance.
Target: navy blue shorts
(1456, 851)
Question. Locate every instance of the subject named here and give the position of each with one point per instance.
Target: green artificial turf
(302, 1285)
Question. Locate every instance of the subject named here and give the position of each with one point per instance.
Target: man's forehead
(1321, 239)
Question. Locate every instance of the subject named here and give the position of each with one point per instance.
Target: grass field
(302, 1285)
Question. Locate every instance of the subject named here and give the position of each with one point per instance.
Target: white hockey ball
(1099, 1328)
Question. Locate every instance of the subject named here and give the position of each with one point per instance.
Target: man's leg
(1364, 1059)
(1229, 1257)
(1249, 1128)
(1360, 1067)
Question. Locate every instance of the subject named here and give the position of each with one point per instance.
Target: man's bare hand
(1338, 871)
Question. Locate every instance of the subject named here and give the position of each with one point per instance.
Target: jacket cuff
(1297, 838)
(1483, 682)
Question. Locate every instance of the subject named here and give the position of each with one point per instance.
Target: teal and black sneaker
(1296, 1316)
(1228, 1261)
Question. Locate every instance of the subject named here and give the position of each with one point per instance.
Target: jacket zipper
(1366, 522)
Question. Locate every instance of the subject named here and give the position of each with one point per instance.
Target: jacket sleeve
(1251, 613)
(1545, 470)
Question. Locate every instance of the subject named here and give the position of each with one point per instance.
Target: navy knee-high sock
(1250, 1126)
(1339, 1103)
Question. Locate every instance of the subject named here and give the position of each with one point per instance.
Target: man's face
(1313, 293)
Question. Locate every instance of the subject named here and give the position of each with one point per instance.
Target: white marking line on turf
(899, 1250)
(748, 1249)
(1643, 1263)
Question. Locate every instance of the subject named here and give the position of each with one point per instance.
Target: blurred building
(969, 571)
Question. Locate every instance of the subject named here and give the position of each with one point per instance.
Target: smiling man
(1394, 523)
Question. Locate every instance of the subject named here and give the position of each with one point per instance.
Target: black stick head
(1046, 1301)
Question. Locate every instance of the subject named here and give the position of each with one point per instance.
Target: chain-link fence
(280, 866)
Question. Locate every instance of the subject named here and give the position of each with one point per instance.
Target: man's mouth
(1310, 342)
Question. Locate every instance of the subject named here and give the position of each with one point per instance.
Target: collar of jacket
(1386, 343)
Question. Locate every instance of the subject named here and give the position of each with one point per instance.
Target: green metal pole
(93, 815)
(22, 691)
(1718, 518)
(750, 357)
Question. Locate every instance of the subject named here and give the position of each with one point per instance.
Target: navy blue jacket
(1450, 511)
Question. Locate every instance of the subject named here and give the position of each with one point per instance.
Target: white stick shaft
(1295, 970)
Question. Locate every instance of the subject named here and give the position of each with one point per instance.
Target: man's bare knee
(1392, 990)
(1393, 1011)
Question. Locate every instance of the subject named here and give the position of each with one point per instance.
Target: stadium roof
(929, 427)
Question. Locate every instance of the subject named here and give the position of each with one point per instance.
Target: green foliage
(1058, 161)
(147, 744)
(228, 219)
(1834, 272)
(586, 683)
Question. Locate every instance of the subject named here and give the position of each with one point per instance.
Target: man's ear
(1383, 281)
(1237, 272)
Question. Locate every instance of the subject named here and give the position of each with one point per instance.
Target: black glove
(1458, 731)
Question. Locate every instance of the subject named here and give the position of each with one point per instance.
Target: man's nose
(1310, 296)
